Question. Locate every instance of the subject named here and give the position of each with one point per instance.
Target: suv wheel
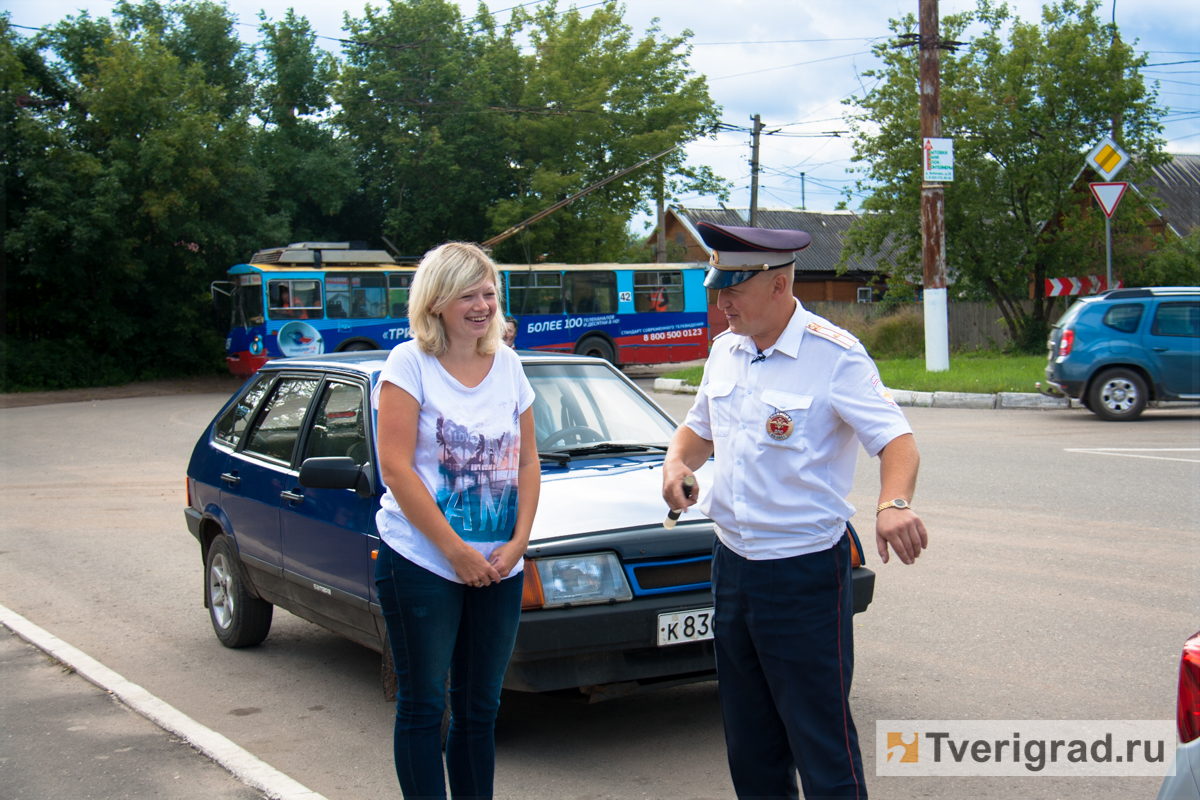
(1118, 395)
(238, 618)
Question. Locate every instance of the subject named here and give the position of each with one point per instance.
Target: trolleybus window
(294, 299)
(535, 293)
(247, 301)
(354, 296)
(591, 292)
(398, 285)
(657, 291)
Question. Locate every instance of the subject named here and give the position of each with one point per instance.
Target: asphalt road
(1058, 585)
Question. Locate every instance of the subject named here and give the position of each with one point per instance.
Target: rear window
(233, 422)
(1074, 311)
(1124, 317)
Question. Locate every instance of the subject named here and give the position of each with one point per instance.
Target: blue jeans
(434, 626)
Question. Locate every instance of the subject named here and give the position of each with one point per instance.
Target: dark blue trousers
(785, 656)
(435, 625)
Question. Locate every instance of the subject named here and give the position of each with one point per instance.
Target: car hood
(593, 496)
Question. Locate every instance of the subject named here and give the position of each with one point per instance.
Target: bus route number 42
(685, 626)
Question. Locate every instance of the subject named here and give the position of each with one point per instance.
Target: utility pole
(933, 201)
(758, 126)
(662, 220)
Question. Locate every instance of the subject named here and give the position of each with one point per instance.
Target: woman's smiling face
(468, 316)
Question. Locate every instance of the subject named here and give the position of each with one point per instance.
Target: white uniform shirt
(781, 498)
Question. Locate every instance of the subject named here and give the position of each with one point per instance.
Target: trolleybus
(322, 297)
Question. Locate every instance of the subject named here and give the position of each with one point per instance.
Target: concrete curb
(242, 764)
(903, 397)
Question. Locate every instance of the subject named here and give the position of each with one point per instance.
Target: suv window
(274, 434)
(338, 428)
(1177, 319)
(1124, 317)
(233, 422)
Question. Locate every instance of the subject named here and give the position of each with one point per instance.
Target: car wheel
(597, 347)
(1118, 395)
(355, 347)
(238, 618)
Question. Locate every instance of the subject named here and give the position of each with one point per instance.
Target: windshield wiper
(561, 459)
(613, 447)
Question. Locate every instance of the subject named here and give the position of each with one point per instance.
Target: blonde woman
(459, 459)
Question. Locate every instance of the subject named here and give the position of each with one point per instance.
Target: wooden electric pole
(933, 201)
(758, 126)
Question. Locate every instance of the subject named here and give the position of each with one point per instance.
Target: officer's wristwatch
(899, 502)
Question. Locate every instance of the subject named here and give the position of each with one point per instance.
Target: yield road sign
(1108, 158)
(1108, 195)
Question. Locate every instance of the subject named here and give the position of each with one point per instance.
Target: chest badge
(779, 426)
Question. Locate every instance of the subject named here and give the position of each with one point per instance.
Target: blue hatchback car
(1119, 350)
(283, 487)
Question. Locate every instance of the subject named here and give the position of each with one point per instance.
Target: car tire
(1117, 395)
(355, 347)
(596, 347)
(238, 618)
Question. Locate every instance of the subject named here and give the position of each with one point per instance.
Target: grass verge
(985, 373)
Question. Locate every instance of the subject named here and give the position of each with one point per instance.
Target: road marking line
(1129, 452)
(244, 766)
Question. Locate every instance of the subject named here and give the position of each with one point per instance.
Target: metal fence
(973, 326)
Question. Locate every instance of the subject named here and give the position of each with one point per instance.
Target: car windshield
(579, 406)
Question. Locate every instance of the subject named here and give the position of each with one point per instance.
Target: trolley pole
(933, 201)
(758, 126)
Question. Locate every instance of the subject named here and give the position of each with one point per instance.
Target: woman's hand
(472, 568)
(506, 556)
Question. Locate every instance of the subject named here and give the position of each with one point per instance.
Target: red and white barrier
(1088, 284)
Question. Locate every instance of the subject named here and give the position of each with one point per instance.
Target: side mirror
(338, 473)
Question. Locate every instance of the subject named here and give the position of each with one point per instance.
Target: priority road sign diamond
(1108, 158)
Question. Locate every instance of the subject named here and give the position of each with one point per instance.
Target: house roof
(1177, 191)
(827, 228)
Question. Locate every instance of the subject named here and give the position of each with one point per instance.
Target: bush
(899, 335)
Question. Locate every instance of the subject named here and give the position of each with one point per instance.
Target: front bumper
(592, 646)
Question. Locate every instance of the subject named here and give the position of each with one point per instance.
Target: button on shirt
(783, 497)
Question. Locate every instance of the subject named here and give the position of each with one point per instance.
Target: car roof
(369, 362)
(1148, 291)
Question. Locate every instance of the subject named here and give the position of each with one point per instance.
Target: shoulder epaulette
(835, 335)
(719, 335)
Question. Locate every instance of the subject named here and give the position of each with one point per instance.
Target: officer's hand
(903, 530)
(673, 475)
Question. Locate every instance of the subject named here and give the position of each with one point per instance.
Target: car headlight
(582, 580)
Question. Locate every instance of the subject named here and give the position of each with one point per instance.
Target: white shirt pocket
(720, 406)
(786, 430)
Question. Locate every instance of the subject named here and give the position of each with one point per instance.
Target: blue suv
(1122, 349)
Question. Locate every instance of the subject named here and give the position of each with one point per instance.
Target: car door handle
(292, 496)
(230, 478)
(1159, 349)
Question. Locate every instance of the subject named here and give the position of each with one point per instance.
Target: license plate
(685, 626)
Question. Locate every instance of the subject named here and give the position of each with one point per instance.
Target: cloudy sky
(792, 62)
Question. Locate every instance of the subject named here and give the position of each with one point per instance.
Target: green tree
(1024, 103)
(421, 99)
(598, 100)
(138, 191)
(297, 141)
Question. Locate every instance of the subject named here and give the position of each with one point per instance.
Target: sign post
(1107, 159)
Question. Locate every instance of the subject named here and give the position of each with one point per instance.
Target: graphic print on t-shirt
(477, 480)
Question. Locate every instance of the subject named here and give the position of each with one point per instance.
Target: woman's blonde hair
(445, 273)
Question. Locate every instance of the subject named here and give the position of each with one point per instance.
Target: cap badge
(779, 426)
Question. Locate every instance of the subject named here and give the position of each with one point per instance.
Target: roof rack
(323, 254)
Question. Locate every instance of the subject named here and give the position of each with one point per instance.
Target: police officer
(785, 401)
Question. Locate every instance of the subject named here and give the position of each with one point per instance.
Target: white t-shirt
(468, 452)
